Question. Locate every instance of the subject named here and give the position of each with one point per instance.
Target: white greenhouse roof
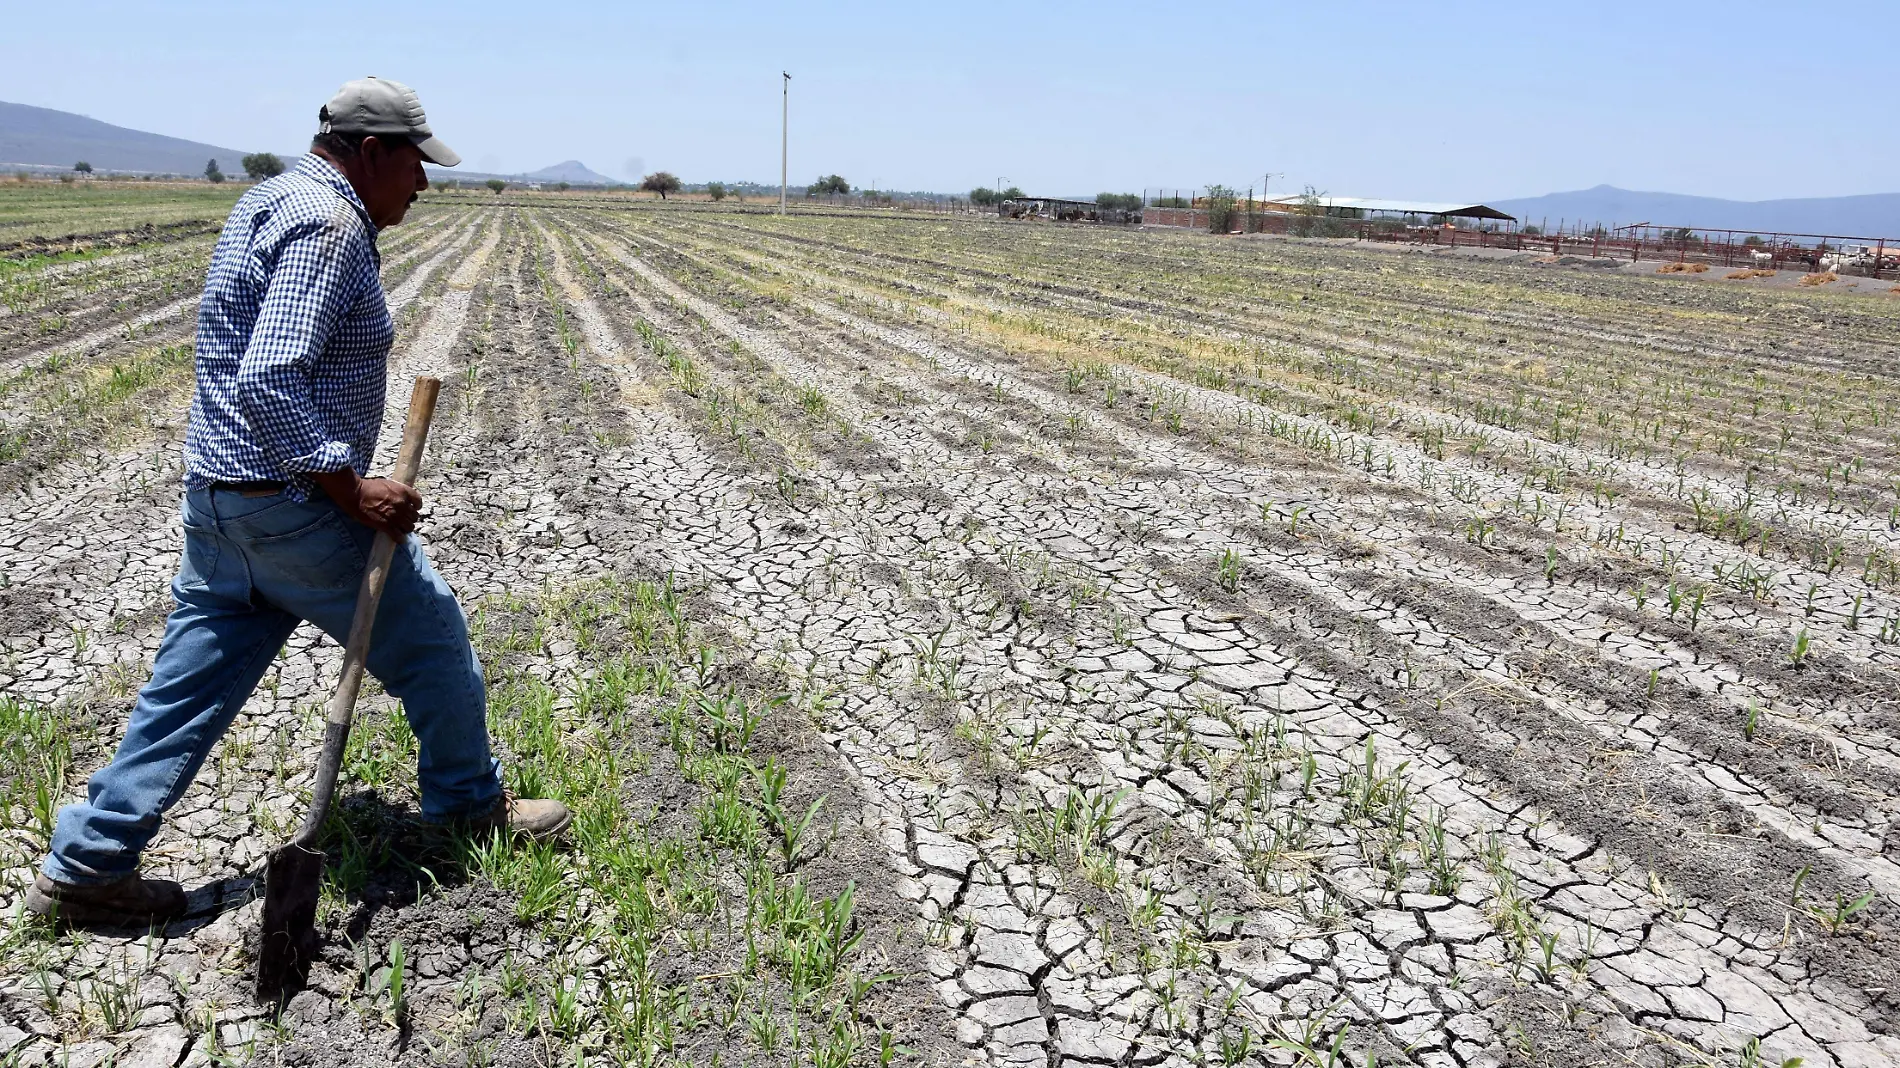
(1407, 207)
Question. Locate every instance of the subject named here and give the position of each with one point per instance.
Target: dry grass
(1819, 278)
(1682, 268)
(1756, 272)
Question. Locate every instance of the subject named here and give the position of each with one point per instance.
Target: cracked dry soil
(975, 643)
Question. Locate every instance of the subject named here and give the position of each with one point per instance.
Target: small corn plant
(1229, 568)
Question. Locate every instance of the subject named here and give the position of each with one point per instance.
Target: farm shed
(1365, 207)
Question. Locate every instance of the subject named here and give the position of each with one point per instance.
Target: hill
(572, 171)
(1873, 215)
(45, 137)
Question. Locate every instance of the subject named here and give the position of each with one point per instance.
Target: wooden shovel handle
(369, 596)
(415, 433)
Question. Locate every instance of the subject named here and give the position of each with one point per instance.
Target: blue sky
(1435, 101)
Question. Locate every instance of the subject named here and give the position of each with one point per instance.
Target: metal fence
(1876, 257)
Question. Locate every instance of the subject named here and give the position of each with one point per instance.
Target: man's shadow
(377, 855)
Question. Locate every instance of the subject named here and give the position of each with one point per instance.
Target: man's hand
(378, 503)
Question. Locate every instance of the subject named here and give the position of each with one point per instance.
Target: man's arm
(317, 277)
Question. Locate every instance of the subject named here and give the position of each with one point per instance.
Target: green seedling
(1229, 568)
(790, 828)
(114, 995)
(1235, 1048)
(1308, 1045)
(1750, 1057)
(1794, 892)
(1446, 876)
(1546, 964)
(791, 832)
(1293, 520)
(1835, 917)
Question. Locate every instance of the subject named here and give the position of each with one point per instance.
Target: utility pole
(1266, 180)
(784, 135)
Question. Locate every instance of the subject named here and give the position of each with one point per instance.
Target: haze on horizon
(1480, 100)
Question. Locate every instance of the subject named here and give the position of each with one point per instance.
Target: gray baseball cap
(384, 108)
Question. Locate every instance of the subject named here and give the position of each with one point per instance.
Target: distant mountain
(42, 136)
(1873, 215)
(572, 171)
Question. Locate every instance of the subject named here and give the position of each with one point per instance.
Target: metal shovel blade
(292, 878)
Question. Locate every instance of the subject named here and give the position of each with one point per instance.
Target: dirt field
(976, 643)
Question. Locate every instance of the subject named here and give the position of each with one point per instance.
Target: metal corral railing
(1844, 254)
(1875, 257)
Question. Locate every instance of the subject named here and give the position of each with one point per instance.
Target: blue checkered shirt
(293, 337)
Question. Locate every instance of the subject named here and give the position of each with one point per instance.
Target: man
(279, 515)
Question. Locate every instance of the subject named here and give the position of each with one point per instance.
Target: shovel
(294, 872)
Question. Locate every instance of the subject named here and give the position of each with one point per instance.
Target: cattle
(1858, 259)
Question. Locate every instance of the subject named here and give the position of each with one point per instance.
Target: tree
(1753, 241)
(1012, 193)
(262, 165)
(1220, 208)
(212, 173)
(1118, 201)
(716, 190)
(560, 187)
(828, 185)
(496, 184)
(83, 167)
(983, 196)
(661, 182)
(1314, 220)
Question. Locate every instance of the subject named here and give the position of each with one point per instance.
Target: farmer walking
(279, 515)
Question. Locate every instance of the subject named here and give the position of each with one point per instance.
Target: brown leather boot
(133, 901)
(530, 818)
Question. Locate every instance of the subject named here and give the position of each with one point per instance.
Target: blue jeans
(253, 567)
